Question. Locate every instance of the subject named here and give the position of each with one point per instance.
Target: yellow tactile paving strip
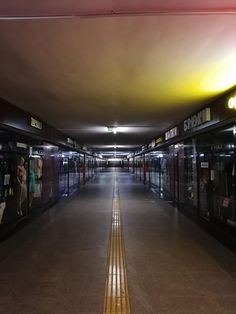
(116, 290)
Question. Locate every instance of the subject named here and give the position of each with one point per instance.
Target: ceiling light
(113, 129)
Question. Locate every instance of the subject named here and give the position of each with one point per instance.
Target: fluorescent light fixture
(118, 129)
(112, 129)
(114, 159)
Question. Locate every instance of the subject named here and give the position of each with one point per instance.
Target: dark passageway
(118, 157)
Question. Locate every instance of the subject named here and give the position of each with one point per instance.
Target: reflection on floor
(57, 264)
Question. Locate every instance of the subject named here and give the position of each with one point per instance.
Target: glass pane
(190, 174)
(204, 153)
(222, 176)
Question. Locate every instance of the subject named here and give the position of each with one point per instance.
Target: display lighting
(232, 103)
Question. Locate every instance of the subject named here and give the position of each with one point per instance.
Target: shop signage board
(159, 140)
(153, 143)
(36, 123)
(197, 119)
(232, 103)
(69, 141)
(21, 145)
(204, 164)
(171, 133)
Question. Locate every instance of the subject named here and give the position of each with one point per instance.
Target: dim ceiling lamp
(232, 103)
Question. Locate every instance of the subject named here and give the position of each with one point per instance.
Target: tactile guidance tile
(116, 290)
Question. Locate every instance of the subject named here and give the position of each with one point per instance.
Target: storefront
(194, 167)
(38, 166)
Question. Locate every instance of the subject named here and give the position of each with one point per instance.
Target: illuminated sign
(159, 140)
(36, 123)
(232, 103)
(21, 145)
(69, 141)
(153, 143)
(197, 119)
(171, 133)
(205, 165)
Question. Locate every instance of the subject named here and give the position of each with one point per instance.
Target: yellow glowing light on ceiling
(222, 77)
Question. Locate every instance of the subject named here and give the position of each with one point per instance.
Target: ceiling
(141, 65)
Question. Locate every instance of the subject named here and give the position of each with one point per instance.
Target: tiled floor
(57, 264)
(173, 265)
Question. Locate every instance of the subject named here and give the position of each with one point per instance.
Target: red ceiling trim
(92, 8)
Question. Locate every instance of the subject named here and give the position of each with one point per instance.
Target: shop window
(35, 179)
(217, 176)
(13, 178)
(63, 174)
(190, 174)
(74, 173)
(204, 162)
(165, 175)
(222, 176)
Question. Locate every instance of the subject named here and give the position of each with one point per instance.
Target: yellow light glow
(232, 103)
(222, 76)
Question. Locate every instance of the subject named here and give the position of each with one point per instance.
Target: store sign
(197, 119)
(21, 145)
(153, 143)
(36, 123)
(204, 165)
(171, 133)
(232, 103)
(69, 141)
(159, 140)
